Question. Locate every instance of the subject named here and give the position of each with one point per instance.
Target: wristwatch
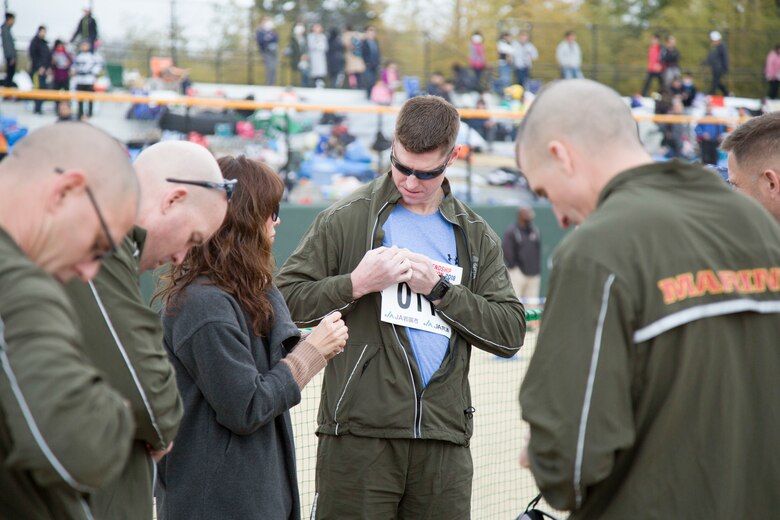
(439, 290)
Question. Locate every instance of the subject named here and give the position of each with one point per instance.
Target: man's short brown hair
(756, 142)
(427, 123)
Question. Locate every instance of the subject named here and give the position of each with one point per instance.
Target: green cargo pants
(385, 479)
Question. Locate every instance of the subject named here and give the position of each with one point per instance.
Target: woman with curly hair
(240, 365)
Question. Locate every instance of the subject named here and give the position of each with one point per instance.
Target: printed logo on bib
(402, 306)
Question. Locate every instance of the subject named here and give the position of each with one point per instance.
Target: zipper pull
(474, 265)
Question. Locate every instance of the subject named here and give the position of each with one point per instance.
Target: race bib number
(402, 306)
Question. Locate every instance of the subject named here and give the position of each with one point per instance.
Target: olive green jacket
(653, 389)
(64, 432)
(374, 388)
(124, 339)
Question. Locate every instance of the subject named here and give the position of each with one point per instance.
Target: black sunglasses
(229, 185)
(275, 214)
(423, 175)
(112, 247)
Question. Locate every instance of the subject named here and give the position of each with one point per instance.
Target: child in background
(87, 67)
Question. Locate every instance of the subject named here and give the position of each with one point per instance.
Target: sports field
(502, 488)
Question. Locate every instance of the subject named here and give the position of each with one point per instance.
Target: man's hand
(380, 268)
(424, 276)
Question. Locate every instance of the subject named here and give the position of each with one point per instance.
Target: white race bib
(402, 306)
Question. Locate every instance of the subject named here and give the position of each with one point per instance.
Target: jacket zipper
(473, 277)
(346, 385)
(417, 397)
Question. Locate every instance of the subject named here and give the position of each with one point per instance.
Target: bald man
(67, 194)
(754, 160)
(652, 392)
(184, 201)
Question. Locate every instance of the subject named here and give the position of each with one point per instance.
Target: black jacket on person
(718, 58)
(86, 29)
(40, 54)
(335, 54)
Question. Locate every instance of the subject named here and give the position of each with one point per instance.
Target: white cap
(715, 36)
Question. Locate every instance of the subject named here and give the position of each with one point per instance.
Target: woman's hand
(330, 336)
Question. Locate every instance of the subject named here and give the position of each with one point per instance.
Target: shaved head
(177, 159)
(66, 145)
(68, 193)
(583, 111)
(577, 136)
(177, 215)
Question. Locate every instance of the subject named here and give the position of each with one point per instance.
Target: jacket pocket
(340, 389)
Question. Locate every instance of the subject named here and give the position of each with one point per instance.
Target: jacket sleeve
(576, 395)
(217, 357)
(65, 422)
(312, 280)
(156, 402)
(489, 315)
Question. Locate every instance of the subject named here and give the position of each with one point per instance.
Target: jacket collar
(137, 238)
(387, 192)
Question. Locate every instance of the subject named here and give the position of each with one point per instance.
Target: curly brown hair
(238, 258)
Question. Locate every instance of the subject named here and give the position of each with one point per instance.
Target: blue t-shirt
(434, 237)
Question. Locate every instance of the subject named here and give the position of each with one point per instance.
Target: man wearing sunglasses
(396, 415)
(67, 193)
(183, 201)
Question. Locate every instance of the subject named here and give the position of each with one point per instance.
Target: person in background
(372, 58)
(40, 64)
(240, 365)
(61, 63)
(709, 135)
(294, 50)
(317, 44)
(86, 30)
(685, 89)
(86, 68)
(268, 43)
(718, 60)
(505, 60)
(68, 194)
(772, 71)
(524, 53)
(64, 112)
(438, 86)
(355, 65)
(335, 59)
(477, 58)
(670, 60)
(485, 127)
(754, 160)
(522, 245)
(183, 202)
(654, 65)
(9, 49)
(569, 56)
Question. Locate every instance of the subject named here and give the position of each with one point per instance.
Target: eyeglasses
(112, 247)
(423, 175)
(229, 185)
(275, 214)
